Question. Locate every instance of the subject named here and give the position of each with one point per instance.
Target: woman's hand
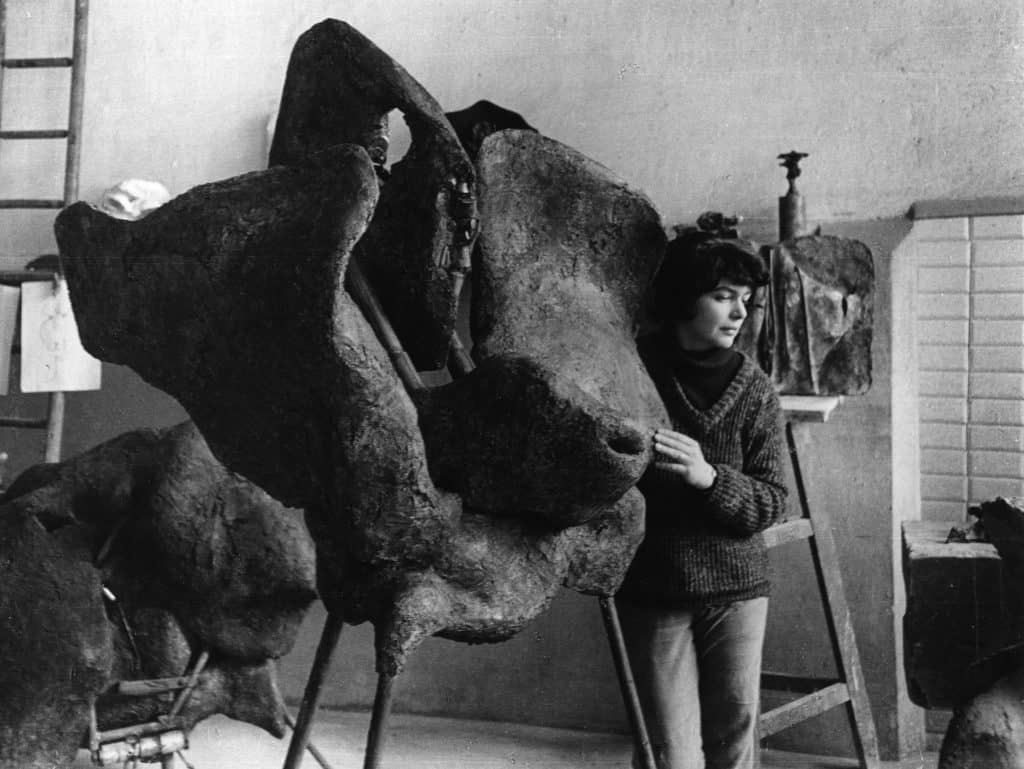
(681, 455)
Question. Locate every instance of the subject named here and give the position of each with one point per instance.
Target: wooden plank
(787, 531)
(802, 708)
(837, 615)
(809, 408)
(844, 640)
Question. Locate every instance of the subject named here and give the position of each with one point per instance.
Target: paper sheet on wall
(9, 296)
(52, 356)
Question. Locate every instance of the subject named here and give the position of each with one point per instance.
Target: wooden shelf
(809, 408)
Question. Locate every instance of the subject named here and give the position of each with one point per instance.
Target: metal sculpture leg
(641, 740)
(314, 687)
(379, 721)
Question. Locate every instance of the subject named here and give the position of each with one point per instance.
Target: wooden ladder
(817, 695)
(53, 422)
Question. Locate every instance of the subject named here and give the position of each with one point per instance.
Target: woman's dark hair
(694, 265)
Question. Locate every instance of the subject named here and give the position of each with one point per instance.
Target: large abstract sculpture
(458, 511)
(142, 559)
(289, 309)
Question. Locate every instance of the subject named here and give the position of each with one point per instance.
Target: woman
(695, 600)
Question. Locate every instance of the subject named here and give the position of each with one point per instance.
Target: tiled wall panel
(970, 325)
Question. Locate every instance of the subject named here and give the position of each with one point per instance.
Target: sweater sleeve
(752, 499)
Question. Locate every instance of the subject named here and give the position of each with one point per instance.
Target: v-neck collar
(706, 419)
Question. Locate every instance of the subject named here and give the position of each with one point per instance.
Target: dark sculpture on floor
(987, 728)
(131, 562)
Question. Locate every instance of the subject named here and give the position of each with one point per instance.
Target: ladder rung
(50, 133)
(788, 531)
(38, 62)
(801, 709)
(23, 422)
(31, 203)
(786, 682)
(27, 276)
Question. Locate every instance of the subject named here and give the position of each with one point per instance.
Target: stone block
(998, 358)
(996, 412)
(949, 384)
(958, 611)
(1006, 226)
(999, 279)
(943, 279)
(944, 253)
(997, 332)
(940, 435)
(953, 228)
(938, 357)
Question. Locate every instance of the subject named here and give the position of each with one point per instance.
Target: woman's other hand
(681, 455)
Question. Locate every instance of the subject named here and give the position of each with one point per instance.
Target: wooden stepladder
(817, 695)
(53, 421)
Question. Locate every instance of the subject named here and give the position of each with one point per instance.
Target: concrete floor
(421, 742)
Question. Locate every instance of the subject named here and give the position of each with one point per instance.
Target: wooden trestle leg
(379, 721)
(314, 687)
(641, 740)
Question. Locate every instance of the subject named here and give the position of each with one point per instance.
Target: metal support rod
(54, 427)
(459, 361)
(320, 758)
(314, 686)
(379, 721)
(641, 740)
(141, 730)
(193, 679)
(149, 686)
(362, 292)
(94, 731)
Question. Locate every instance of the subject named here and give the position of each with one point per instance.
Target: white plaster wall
(894, 101)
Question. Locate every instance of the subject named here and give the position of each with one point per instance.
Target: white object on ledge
(133, 198)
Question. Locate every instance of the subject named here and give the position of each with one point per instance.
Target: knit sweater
(705, 546)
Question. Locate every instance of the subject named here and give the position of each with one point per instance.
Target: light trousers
(698, 675)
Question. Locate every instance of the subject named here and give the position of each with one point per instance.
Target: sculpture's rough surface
(194, 556)
(987, 732)
(340, 88)
(290, 386)
(235, 283)
(458, 511)
(822, 297)
(565, 253)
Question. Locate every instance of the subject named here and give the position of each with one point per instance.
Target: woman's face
(720, 314)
